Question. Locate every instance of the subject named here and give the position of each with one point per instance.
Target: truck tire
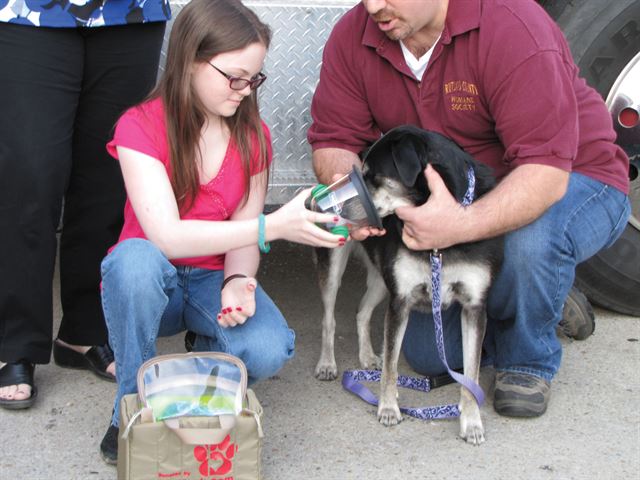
(604, 37)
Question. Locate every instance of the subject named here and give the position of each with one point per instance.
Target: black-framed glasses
(237, 83)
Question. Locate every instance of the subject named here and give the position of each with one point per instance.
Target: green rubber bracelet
(262, 245)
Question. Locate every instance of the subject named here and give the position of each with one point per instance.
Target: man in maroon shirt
(497, 77)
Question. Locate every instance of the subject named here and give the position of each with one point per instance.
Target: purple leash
(351, 381)
(351, 378)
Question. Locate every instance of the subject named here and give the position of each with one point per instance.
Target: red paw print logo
(215, 459)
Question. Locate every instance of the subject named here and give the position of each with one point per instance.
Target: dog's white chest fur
(458, 281)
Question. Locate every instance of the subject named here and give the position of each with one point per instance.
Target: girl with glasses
(195, 159)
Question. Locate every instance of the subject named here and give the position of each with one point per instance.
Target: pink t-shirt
(142, 128)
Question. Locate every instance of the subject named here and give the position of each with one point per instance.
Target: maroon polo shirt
(501, 83)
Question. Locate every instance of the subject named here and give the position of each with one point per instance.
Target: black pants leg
(120, 68)
(42, 80)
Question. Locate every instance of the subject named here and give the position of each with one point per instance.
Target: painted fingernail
(335, 219)
(219, 316)
(239, 309)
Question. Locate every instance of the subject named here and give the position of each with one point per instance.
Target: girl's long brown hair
(203, 29)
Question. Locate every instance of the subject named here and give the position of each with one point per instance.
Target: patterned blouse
(83, 13)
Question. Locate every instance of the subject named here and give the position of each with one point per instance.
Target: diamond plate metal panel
(300, 30)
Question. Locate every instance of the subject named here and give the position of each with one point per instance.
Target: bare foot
(15, 392)
(21, 391)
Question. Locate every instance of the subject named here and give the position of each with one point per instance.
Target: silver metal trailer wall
(300, 30)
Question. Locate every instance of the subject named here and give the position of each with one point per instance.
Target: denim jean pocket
(598, 215)
(621, 224)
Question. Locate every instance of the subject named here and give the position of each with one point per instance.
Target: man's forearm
(521, 197)
(524, 195)
(327, 162)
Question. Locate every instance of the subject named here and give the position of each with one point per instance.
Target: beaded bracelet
(262, 245)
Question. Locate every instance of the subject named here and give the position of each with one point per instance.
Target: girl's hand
(238, 301)
(295, 223)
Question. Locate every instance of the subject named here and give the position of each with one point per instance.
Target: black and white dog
(393, 173)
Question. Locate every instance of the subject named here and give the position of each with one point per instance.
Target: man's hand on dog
(436, 223)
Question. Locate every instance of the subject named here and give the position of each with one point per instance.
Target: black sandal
(16, 373)
(97, 359)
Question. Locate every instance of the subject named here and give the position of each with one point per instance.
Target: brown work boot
(520, 394)
(578, 321)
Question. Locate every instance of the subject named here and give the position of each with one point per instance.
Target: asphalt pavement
(315, 430)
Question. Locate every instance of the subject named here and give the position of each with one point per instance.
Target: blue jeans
(526, 299)
(144, 297)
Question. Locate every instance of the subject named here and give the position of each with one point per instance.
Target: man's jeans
(526, 300)
(144, 297)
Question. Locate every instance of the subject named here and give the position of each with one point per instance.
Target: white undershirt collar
(417, 65)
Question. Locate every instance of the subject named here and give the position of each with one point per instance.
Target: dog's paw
(389, 416)
(326, 371)
(372, 362)
(472, 432)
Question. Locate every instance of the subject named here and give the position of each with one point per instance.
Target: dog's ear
(408, 154)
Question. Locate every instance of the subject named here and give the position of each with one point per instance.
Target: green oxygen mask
(348, 199)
